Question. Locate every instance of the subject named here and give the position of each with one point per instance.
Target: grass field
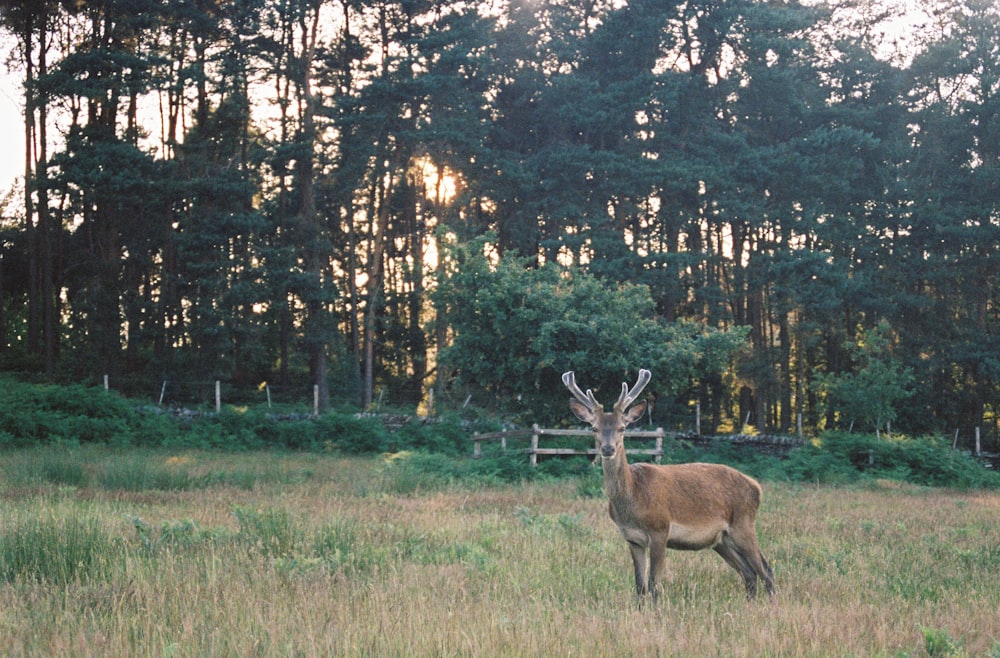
(106, 553)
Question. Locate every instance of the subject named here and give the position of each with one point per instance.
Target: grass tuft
(55, 550)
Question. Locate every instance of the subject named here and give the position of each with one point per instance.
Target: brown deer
(681, 506)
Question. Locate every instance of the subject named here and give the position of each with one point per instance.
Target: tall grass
(55, 549)
(325, 556)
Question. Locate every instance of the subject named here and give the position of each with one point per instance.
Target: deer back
(691, 495)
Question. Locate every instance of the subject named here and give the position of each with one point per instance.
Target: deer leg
(640, 564)
(745, 542)
(657, 561)
(734, 558)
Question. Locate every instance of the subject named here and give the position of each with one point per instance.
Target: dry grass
(319, 558)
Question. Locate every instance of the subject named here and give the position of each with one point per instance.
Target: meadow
(142, 552)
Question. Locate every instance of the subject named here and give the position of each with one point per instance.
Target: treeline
(299, 189)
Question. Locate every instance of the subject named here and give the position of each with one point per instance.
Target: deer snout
(608, 450)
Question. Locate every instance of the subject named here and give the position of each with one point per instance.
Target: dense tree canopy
(273, 191)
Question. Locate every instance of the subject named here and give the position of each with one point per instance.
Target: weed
(939, 644)
(268, 531)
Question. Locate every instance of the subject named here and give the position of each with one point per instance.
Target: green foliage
(61, 467)
(870, 394)
(445, 435)
(36, 413)
(841, 458)
(56, 551)
(576, 133)
(349, 434)
(411, 472)
(77, 415)
(269, 532)
(517, 329)
(810, 464)
(337, 543)
(505, 467)
(175, 534)
(939, 644)
(590, 484)
(429, 454)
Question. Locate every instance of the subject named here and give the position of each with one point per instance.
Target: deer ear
(635, 412)
(582, 412)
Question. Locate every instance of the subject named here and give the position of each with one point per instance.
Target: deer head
(609, 427)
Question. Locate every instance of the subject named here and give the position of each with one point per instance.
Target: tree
(32, 26)
(872, 391)
(946, 280)
(517, 328)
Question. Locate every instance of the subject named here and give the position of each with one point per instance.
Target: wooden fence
(536, 434)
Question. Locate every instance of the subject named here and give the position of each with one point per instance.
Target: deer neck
(617, 477)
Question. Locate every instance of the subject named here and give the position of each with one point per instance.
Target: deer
(679, 506)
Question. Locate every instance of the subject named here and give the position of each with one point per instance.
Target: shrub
(504, 467)
(34, 414)
(843, 457)
(444, 435)
(349, 434)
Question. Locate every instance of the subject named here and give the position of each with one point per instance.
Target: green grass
(55, 550)
(276, 554)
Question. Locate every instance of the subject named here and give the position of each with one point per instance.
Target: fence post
(533, 458)
(476, 450)
(218, 396)
(978, 451)
(105, 382)
(659, 445)
(315, 400)
(697, 418)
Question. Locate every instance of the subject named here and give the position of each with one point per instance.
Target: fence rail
(536, 433)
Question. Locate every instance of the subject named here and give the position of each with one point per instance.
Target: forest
(789, 211)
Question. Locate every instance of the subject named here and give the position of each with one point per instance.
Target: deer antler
(628, 396)
(588, 400)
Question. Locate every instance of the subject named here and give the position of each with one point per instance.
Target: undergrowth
(422, 454)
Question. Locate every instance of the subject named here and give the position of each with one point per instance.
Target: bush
(841, 458)
(813, 464)
(73, 416)
(349, 434)
(445, 435)
(33, 414)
